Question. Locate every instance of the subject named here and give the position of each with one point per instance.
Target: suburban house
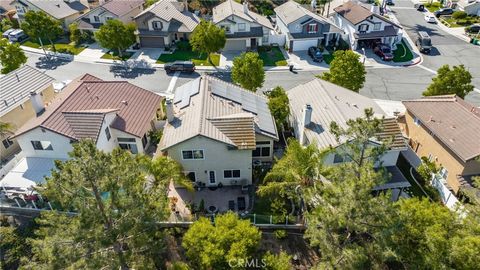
(316, 104)
(471, 7)
(244, 29)
(363, 28)
(446, 130)
(7, 10)
(164, 23)
(66, 11)
(218, 131)
(111, 113)
(124, 11)
(303, 28)
(21, 90)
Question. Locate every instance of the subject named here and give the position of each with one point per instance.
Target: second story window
(107, 133)
(363, 28)
(7, 143)
(157, 25)
(377, 26)
(242, 27)
(129, 144)
(192, 154)
(312, 28)
(96, 19)
(42, 145)
(226, 28)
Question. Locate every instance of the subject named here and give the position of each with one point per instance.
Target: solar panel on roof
(185, 92)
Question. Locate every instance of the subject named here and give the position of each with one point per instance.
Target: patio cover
(29, 172)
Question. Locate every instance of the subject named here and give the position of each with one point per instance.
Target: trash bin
(290, 67)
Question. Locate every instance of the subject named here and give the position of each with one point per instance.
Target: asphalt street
(392, 83)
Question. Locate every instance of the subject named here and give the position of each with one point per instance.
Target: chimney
(169, 110)
(375, 9)
(37, 103)
(307, 115)
(245, 7)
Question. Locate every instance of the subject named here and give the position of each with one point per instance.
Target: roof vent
(453, 127)
(355, 105)
(5, 101)
(124, 102)
(16, 75)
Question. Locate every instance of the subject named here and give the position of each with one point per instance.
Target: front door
(253, 43)
(211, 177)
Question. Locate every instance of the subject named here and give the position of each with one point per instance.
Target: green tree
(427, 168)
(14, 245)
(6, 129)
(117, 206)
(298, 170)
(214, 246)
(207, 38)
(5, 24)
(279, 106)
(38, 25)
(248, 71)
(346, 220)
(11, 56)
(75, 33)
(116, 36)
(448, 81)
(280, 261)
(346, 70)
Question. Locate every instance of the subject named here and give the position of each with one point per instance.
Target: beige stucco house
(446, 129)
(21, 92)
(65, 11)
(217, 131)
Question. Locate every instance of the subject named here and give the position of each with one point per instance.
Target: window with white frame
(108, 18)
(312, 28)
(226, 28)
(377, 26)
(157, 25)
(192, 154)
(96, 19)
(443, 173)
(42, 145)
(363, 28)
(242, 27)
(231, 174)
(7, 143)
(107, 133)
(265, 39)
(129, 144)
(262, 150)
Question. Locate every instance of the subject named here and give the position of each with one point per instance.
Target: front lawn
(469, 20)
(115, 56)
(62, 45)
(402, 53)
(199, 59)
(433, 6)
(271, 56)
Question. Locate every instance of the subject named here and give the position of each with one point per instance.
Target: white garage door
(303, 45)
(235, 45)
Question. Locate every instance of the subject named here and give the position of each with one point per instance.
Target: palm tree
(296, 172)
(6, 129)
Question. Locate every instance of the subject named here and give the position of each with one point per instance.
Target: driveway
(226, 58)
(448, 49)
(150, 55)
(301, 59)
(93, 51)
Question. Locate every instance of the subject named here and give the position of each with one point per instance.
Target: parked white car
(430, 18)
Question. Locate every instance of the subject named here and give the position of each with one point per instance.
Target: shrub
(65, 50)
(280, 234)
(459, 15)
(184, 46)
(155, 136)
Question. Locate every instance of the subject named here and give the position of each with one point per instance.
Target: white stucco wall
(217, 158)
(60, 144)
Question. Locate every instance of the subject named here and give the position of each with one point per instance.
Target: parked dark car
(315, 54)
(423, 42)
(383, 51)
(443, 12)
(182, 66)
(419, 7)
(474, 28)
(390, 2)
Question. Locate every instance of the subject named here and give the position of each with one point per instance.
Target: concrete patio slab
(218, 198)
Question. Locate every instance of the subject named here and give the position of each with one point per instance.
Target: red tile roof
(452, 120)
(136, 107)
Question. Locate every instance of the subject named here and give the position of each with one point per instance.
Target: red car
(383, 51)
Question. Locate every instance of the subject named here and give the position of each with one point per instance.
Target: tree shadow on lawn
(51, 62)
